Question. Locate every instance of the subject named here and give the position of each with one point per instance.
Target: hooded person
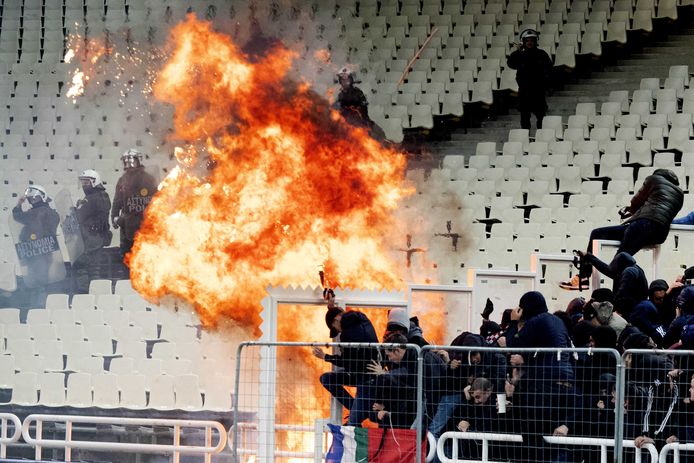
(352, 362)
(647, 221)
(398, 322)
(661, 296)
(548, 396)
(685, 311)
(645, 317)
(462, 367)
(603, 314)
(629, 282)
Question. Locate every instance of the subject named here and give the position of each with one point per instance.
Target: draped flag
(383, 445)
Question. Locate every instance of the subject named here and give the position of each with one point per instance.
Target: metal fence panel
(658, 396)
(283, 401)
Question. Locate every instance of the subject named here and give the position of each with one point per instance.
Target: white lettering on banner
(137, 204)
(39, 247)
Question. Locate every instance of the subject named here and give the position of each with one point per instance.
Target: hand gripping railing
(484, 437)
(675, 447)
(4, 439)
(176, 449)
(603, 444)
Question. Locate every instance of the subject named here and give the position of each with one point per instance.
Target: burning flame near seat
(286, 186)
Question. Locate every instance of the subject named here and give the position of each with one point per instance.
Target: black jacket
(645, 317)
(134, 191)
(492, 364)
(92, 215)
(542, 329)
(39, 221)
(629, 282)
(533, 67)
(356, 327)
(659, 199)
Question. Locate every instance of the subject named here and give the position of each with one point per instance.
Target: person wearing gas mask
(37, 235)
(134, 191)
(40, 220)
(92, 211)
(533, 68)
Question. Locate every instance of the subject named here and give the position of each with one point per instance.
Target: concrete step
(651, 60)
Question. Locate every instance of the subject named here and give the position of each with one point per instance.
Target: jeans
(633, 236)
(686, 220)
(362, 404)
(444, 411)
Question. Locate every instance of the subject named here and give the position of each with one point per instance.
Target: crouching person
(482, 412)
(393, 395)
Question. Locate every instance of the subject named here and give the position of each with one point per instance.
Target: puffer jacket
(659, 199)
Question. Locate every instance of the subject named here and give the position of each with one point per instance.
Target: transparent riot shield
(38, 252)
(69, 225)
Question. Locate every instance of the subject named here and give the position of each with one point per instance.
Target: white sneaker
(575, 284)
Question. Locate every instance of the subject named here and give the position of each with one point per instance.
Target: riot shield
(69, 225)
(39, 254)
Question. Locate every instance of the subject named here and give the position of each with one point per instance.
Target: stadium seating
(97, 353)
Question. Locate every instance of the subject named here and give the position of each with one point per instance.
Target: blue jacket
(541, 329)
(645, 317)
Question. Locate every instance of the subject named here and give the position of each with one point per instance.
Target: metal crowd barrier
(5, 440)
(275, 382)
(177, 448)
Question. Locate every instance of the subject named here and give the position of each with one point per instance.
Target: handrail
(4, 439)
(484, 437)
(603, 444)
(675, 447)
(176, 448)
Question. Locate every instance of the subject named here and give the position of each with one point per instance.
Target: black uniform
(37, 242)
(134, 191)
(92, 215)
(533, 68)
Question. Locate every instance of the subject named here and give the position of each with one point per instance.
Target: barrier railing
(484, 437)
(675, 447)
(176, 449)
(490, 387)
(5, 440)
(604, 444)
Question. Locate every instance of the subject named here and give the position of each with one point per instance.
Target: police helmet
(345, 73)
(91, 176)
(35, 194)
(131, 158)
(529, 34)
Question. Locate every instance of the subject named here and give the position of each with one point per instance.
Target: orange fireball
(293, 188)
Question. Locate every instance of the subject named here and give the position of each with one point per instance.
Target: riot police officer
(134, 191)
(92, 212)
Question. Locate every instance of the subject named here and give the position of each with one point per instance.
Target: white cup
(501, 401)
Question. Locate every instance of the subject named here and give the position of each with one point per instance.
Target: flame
(293, 186)
(77, 87)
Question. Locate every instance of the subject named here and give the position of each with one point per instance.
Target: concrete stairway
(625, 73)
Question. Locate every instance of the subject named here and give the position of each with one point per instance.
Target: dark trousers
(531, 101)
(633, 236)
(546, 405)
(335, 381)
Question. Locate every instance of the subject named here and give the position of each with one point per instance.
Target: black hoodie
(541, 329)
(492, 364)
